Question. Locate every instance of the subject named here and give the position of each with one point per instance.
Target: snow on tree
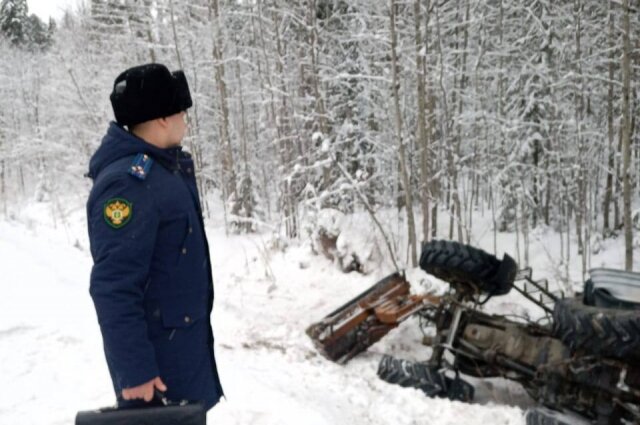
(513, 108)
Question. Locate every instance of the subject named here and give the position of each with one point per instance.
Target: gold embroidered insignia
(117, 212)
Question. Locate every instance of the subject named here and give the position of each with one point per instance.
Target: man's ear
(164, 123)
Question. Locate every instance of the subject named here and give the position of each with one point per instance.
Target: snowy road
(51, 360)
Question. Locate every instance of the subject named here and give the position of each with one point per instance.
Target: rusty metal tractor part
(363, 321)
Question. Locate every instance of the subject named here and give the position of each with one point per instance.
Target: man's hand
(144, 391)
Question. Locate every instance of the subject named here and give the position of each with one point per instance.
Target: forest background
(525, 110)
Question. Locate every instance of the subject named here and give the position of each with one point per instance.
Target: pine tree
(38, 35)
(14, 21)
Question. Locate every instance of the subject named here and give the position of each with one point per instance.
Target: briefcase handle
(162, 398)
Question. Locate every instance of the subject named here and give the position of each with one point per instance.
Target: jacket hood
(119, 143)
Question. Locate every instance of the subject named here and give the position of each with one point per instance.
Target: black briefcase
(163, 413)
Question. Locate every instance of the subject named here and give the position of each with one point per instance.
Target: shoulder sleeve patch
(117, 212)
(141, 166)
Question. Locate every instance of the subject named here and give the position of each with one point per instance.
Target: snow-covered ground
(52, 364)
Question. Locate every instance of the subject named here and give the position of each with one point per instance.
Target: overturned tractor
(583, 358)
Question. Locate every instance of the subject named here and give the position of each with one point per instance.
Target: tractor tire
(598, 331)
(430, 379)
(468, 268)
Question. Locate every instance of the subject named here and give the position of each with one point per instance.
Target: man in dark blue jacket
(151, 280)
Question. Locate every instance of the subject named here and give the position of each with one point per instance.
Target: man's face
(177, 128)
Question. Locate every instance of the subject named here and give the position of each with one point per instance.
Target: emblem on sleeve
(117, 212)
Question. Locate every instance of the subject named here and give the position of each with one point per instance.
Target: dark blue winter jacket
(151, 280)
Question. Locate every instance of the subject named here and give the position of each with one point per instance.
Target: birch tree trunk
(581, 214)
(401, 148)
(228, 167)
(3, 188)
(458, 140)
(610, 130)
(626, 140)
(444, 126)
(284, 142)
(423, 136)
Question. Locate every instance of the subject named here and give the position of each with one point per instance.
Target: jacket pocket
(183, 310)
(171, 239)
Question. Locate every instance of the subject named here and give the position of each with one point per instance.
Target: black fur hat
(147, 92)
